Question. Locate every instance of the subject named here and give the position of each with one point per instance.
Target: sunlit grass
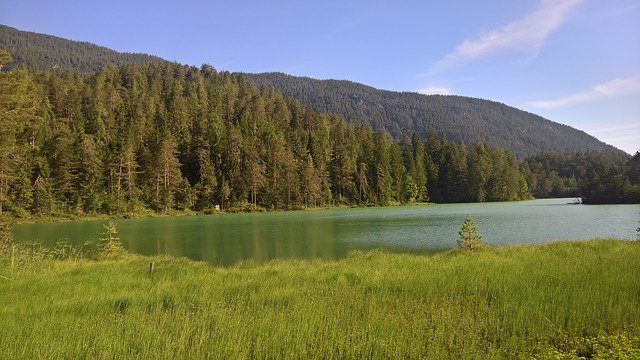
(510, 302)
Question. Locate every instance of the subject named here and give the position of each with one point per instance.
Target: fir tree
(110, 245)
(470, 240)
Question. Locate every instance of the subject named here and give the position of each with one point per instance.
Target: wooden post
(152, 267)
(13, 256)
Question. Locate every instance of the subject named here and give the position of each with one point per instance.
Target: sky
(576, 62)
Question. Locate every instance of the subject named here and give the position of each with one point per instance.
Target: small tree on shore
(470, 240)
(110, 245)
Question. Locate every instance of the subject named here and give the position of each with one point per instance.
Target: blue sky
(576, 62)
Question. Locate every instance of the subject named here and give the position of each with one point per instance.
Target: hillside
(463, 118)
(46, 52)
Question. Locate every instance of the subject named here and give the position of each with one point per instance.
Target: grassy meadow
(564, 300)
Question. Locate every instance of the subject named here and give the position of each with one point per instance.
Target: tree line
(596, 177)
(519, 132)
(167, 136)
(46, 52)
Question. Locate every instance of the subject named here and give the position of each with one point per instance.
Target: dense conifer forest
(79, 137)
(596, 177)
(167, 136)
(462, 118)
(459, 118)
(46, 52)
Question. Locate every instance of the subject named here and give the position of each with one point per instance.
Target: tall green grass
(560, 300)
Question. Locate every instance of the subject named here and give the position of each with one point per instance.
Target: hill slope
(46, 52)
(463, 118)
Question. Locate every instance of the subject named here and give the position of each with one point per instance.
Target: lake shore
(147, 213)
(333, 233)
(534, 301)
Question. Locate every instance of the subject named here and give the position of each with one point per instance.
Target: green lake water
(331, 234)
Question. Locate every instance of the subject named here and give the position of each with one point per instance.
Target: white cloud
(616, 129)
(436, 90)
(625, 137)
(528, 33)
(613, 88)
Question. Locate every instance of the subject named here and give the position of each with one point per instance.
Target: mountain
(46, 52)
(462, 118)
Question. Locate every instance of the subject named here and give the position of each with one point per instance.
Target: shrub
(6, 232)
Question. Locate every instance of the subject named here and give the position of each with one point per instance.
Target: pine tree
(205, 187)
(15, 108)
(311, 183)
(470, 240)
(110, 245)
(420, 172)
(479, 169)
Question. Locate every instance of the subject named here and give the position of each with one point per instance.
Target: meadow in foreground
(558, 300)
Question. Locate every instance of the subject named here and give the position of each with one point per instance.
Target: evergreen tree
(89, 178)
(167, 176)
(175, 137)
(420, 171)
(205, 188)
(383, 180)
(470, 240)
(312, 183)
(479, 171)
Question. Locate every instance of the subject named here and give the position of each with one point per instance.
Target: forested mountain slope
(46, 52)
(462, 118)
(168, 136)
(160, 135)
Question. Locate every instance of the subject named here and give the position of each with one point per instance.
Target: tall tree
(21, 105)
(479, 171)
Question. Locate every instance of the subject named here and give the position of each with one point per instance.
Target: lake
(331, 234)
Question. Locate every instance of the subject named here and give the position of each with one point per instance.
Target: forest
(173, 137)
(46, 52)
(461, 118)
(458, 118)
(596, 177)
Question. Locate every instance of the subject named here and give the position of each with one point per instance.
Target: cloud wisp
(626, 137)
(623, 129)
(613, 88)
(436, 90)
(528, 33)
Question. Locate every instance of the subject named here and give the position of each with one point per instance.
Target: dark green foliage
(471, 120)
(170, 137)
(470, 240)
(166, 136)
(463, 118)
(47, 52)
(603, 177)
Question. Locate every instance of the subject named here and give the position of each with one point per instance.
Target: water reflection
(331, 234)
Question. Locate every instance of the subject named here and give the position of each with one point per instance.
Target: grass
(559, 300)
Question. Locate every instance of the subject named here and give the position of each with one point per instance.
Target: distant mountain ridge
(47, 52)
(461, 118)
